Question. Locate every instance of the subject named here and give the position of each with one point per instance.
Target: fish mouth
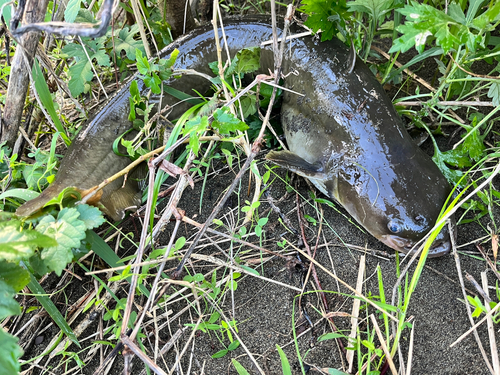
(441, 245)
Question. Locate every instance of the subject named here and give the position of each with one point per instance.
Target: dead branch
(66, 29)
(19, 76)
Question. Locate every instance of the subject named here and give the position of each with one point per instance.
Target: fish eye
(394, 227)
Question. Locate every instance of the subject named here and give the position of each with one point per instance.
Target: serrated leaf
(124, 41)
(16, 245)
(474, 145)
(91, 216)
(248, 60)
(168, 63)
(423, 21)
(11, 352)
(494, 93)
(72, 10)
(491, 15)
(74, 50)
(80, 73)
(14, 275)
(142, 62)
(376, 8)
(247, 104)
(8, 305)
(322, 12)
(225, 122)
(85, 16)
(68, 230)
(153, 82)
(452, 157)
(193, 127)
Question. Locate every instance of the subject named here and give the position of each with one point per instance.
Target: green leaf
(124, 41)
(51, 309)
(14, 275)
(220, 354)
(16, 245)
(454, 157)
(334, 371)
(494, 92)
(142, 63)
(474, 143)
(285, 365)
(234, 345)
(8, 305)
(180, 243)
(69, 192)
(72, 10)
(168, 63)
(491, 15)
(91, 216)
(327, 15)
(23, 194)
(239, 368)
(423, 21)
(478, 306)
(11, 352)
(43, 92)
(193, 127)
(225, 122)
(153, 82)
(248, 60)
(81, 72)
(376, 8)
(68, 230)
(368, 344)
(250, 270)
(330, 336)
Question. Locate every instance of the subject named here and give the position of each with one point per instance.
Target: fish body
(343, 134)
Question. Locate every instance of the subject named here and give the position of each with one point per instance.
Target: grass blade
(51, 309)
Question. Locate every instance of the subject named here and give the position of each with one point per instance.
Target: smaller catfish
(344, 135)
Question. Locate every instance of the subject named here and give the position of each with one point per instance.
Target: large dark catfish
(344, 135)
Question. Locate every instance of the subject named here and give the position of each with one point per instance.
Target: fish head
(398, 203)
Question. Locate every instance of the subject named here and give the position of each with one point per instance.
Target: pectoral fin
(325, 182)
(296, 164)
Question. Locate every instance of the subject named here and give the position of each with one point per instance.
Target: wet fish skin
(344, 135)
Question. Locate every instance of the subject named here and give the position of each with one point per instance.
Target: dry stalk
(491, 327)
(142, 31)
(317, 283)
(361, 296)
(410, 349)
(355, 310)
(469, 313)
(383, 345)
(242, 270)
(152, 294)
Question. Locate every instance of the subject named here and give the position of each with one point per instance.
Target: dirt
(264, 310)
